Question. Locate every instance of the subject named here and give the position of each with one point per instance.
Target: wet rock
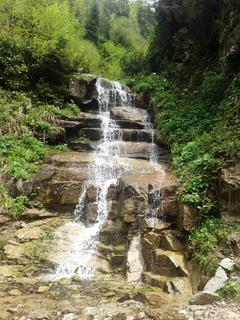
(76, 279)
(188, 218)
(90, 133)
(203, 298)
(133, 192)
(136, 135)
(217, 282)
(129, 114)
(81, 145)
(229, 190)
(140, 297)
(168, 284)
(114, 233)
(124, 298)
(137, 150)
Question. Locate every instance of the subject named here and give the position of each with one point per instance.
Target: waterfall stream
(82, 240)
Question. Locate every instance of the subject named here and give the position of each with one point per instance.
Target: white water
(154, 151)
(154, 211)
(77, 242)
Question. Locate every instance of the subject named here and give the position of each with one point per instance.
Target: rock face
(60, 180)
(229, 190)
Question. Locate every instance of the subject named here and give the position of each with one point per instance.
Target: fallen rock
(43, 289)
(140, 297)
(217, 282)
(124, 298)
(227, 264)
(15, 292)
(203, 298)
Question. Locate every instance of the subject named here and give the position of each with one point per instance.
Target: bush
(204, 241)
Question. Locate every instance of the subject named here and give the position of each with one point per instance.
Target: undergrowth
(201, 123)
(26, 126)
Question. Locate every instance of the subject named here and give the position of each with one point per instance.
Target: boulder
(217, 282)
(227, 264)
(203, 298)
(82, 87)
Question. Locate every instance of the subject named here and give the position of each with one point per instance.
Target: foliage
(92, 24)
(204, 241)
(231, 290)
(12, 206)
(201, 123)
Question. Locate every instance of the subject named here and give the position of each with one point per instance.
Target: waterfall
(82, 240)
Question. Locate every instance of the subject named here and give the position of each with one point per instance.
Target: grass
(231, 290)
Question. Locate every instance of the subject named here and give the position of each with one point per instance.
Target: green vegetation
(231, 290)
(205, 240)
(42, 44)
(201, 124)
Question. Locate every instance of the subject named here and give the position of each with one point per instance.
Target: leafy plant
(204, 241)
(231, 290)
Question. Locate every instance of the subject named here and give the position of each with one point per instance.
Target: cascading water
(154, 151)
(82, 240)
(154, 211)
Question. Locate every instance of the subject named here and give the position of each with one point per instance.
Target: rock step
(135, 135)
(60, 180)
(129, 114)
(141, 150)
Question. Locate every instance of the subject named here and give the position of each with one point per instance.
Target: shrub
(204, 241)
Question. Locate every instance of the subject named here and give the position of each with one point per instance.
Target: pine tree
(92, 24)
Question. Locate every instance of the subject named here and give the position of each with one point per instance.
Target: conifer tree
(92, 24)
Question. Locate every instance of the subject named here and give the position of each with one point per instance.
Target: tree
(92, 24)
